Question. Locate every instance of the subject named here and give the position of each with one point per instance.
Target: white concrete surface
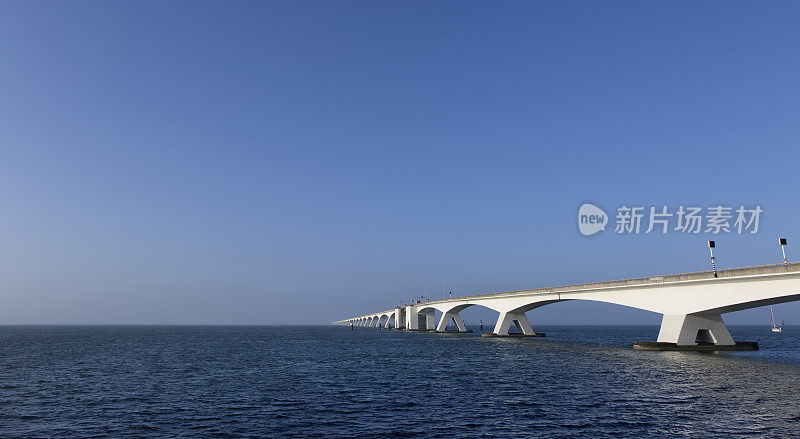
(692, 304)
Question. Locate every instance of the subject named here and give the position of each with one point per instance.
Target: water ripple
(330, 382)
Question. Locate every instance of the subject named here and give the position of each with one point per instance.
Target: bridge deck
(649, 280)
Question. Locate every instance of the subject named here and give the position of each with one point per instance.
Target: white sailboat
(775, 328)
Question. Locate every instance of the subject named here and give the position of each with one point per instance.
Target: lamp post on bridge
(782, 241)
(711, 245)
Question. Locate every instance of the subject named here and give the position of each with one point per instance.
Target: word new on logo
(591, 219)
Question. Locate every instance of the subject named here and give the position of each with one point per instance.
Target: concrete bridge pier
(424, 320)
(399, 318)
(412, 319)
(429, 320)
(519, 319)
(691, 329)
(697, 332)
(456, 318)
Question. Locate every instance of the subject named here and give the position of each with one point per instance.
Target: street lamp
(711, 245)
(783, 250)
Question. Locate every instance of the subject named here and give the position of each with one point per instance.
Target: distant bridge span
(691, 303)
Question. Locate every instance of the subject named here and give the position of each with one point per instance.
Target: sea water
(329, 381)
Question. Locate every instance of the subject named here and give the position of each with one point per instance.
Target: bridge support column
(399, 318)
(519, 319)
(412, 319)
(430, 320)
(688, 330)
(455, 317)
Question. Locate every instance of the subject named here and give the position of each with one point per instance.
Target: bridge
(692, 305)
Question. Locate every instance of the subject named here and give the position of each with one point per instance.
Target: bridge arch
(449, 311)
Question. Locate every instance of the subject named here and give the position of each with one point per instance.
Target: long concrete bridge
(692, 304)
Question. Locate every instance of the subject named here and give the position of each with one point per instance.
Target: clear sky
(300, 162)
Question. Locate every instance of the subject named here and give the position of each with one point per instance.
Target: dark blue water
(331, 382)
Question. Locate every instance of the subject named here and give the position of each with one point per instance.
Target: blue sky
(300, 162)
